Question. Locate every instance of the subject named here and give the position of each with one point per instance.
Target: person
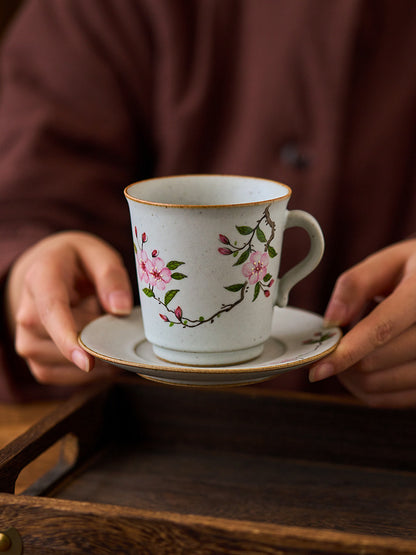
(314, 93)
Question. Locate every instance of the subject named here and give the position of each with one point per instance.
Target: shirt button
(291, 155)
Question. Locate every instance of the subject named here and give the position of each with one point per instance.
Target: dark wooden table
(146, 468)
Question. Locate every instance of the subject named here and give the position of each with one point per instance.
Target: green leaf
(201, 318)
(169, 295)
(173, 264)
(267, 278)
(260, 235)
(148, 292)
(242, 258)
(170, 324)
(178, 275)
(244, 229)
(235, 287)
(272, 252)
(135, 248)
(256, 291)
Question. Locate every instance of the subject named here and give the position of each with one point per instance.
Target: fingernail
(119, 302)
(336, 313)
(80, 359)
(321, 372)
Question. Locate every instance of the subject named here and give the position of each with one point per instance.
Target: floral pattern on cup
(253, 252)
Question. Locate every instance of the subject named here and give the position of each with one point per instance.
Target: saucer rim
(165, 366)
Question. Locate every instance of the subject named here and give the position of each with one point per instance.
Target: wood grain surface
(171, 470)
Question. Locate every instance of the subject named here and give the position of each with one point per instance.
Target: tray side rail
(81, 417)
(258, 421)
(53, 526)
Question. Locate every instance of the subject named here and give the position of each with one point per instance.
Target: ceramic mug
(207, 251)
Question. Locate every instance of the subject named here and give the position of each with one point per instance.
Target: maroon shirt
(315, 93)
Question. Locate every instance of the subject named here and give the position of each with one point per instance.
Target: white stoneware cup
(207, 251)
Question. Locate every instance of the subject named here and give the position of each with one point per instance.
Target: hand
(54, 289)
(376, 359)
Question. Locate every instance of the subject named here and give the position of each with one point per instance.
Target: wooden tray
(169, 470)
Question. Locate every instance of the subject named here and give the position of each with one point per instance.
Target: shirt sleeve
(71, 137)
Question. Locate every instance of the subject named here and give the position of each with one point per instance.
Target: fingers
(378, 274)
(398, 351)
(46, 311)
(395, 314)
(109, 275)
(47, 364)
(397, 357)
(391, 388)
(53, 292)
(389, 319)
(387, 377)
(395, 379)
(40, 332)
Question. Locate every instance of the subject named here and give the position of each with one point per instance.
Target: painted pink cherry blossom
(159, 275)
(153, 271)
(256, 268)
(142, 259)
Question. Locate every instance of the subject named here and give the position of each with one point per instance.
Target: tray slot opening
(60, 459)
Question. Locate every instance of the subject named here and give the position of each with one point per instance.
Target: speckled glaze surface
(207, 251)
(297, 338)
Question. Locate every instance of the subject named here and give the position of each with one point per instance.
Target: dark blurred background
(8, 8)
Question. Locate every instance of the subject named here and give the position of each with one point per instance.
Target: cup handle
(299, 218)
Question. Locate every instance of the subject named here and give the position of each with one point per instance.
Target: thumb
(106, 270)
(375, 276)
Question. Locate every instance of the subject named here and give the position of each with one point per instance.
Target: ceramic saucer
(298, 339)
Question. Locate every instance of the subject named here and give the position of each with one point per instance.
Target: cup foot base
(225, 358)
